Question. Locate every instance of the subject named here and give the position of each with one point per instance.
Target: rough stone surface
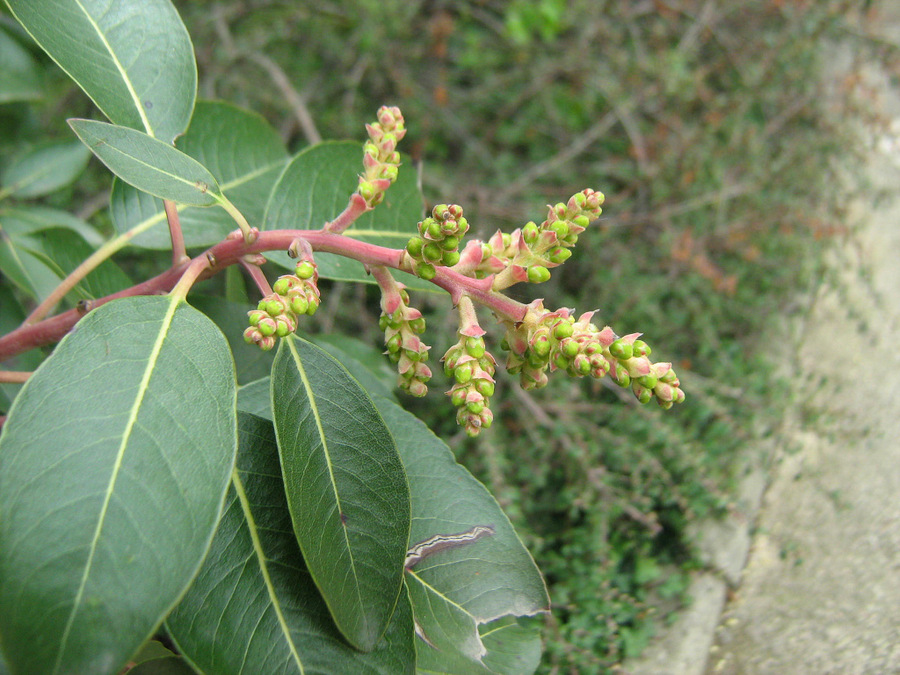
(821, 591)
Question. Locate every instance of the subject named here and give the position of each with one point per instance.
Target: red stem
(230, 251)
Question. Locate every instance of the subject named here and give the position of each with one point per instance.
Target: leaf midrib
(315, 411)
(263, 566)
(117, 466)
(131, 91)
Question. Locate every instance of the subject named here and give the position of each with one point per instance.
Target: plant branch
(14, 376)
(179, 254)
(179, 279)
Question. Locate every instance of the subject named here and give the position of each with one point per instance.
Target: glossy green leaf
(114, 463)
(459, 596)
(149, 164)
(345, 486)
(20, 77)
(36, 254)
(314, 189)
(251, 362)
(134, 58)
(242, 151)
(253, 607)
(170, 665)
(44, 169)
(480, 582)
(26, 219)
(367, 364)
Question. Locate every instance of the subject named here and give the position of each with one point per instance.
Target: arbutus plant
(303, 522)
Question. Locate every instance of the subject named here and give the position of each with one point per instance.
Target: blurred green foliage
(704, 125)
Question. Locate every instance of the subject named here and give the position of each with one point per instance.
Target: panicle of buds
(438, 240)
(277, 313)
(471, 367)
(402, 326)
(558, 341)
(380, 156)
(528, 253)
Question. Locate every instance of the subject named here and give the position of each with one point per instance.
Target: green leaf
(39, 247)
(114, 463)
(44, 169)
(21, 220)
(280, 624)
(20, 77)
(171, 665)
(345, 485)
(458, 594)
(134, 58)
(250, 361)
(314, 189)
(148, 164)
(242, 151)
(367, 364)
(480, 582)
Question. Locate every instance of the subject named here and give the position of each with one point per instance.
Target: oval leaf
(281, 624)
(134, 58)
(114, 463)
(314, 188)
(44, 169)
(345, 485)
(242, 151)
(148, 164)
(457, 590)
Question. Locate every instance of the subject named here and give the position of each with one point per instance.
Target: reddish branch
(231, 251)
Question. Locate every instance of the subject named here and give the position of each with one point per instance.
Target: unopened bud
(538, 274)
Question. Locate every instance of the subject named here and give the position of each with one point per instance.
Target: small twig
(179, 253)
(14, 376)
(258, 277)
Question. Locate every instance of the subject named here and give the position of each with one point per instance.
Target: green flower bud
(458, 397)
(475, 407)
(414, 246)
(561, 228)
(431, 252)
(250, 335)
(669, 376)
(299, 304)
(621, 350)
(283, 285)
(313, 305)
(569, 347)
(563, 329)
(305, 269)
(475, 347)
(274, 307)
(366, 190)
(255, 317)
(282, 328)
(579, 199)
(665, 405)
(485, 388)
(450, 258)
(530, 233)
(648, 381)
(450, 243)
(538, 274)
(560, 255)
(417, 325)
(267, 327)
(641, 393)
(462, 226)
(581, 221)
(641, 348)
(394, 342)
(541, 346)
(486, 252)
(425, 271)
(463, 373)
(433, 229)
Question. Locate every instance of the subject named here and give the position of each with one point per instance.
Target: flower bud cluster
(559, 341)
(380, 157)
(472, 369)
(438, 240)
(402, 326)
(528, 253)
(277, 314)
